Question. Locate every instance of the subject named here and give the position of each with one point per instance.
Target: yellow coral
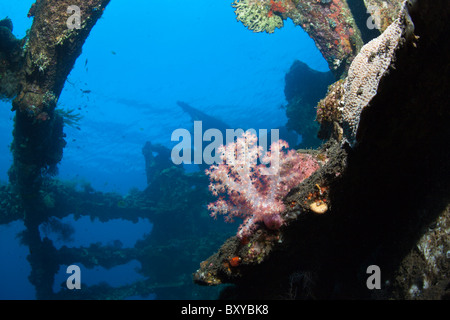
(256, 15)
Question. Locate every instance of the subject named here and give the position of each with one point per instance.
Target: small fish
(86, 62)
(86, 91)
(113, 52)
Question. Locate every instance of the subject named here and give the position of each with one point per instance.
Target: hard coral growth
(329, 112)
(327, 109)
(261, 15)
(368, 68)
(253, 191)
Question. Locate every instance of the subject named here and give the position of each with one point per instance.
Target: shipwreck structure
(380, 197)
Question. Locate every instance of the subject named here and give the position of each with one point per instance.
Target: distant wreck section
(384, 180)
(304, 87)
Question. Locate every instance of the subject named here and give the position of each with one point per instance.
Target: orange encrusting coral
(341, 27)
(276, 7)
(235, 261)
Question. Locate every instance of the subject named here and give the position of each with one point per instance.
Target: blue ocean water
(139, 60)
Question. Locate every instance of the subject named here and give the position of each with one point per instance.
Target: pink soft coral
(252, 191)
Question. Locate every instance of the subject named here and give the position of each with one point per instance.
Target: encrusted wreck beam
(51, 49)
(329, 23)
(387, 195)
(58, 32)
(338, 27)
(55, 42)
(332, 27)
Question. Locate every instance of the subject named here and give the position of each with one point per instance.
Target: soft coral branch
(252, 191)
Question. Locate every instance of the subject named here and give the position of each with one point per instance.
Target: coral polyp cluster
(261, 15)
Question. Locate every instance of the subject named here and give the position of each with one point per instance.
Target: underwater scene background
(87, 177)
(134, 67)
